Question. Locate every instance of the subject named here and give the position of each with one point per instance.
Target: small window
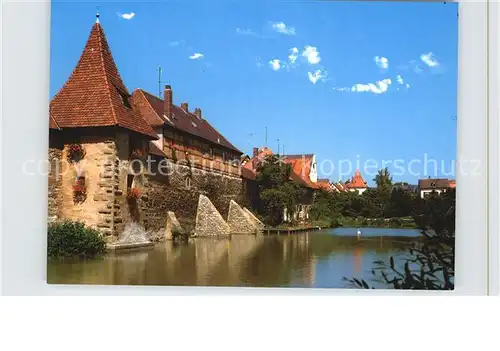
(188, 183)
(125, 99)
(130, 180)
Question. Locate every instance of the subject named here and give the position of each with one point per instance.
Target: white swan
(358, 233)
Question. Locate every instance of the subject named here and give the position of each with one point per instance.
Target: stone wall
(173, 192)
(99, 168)
(106, 170)
(209, 222)
(240, 221)
(55, 184)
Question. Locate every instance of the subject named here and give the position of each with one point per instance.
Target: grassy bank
(396, 222)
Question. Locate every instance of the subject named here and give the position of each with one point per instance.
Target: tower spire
(97, 15)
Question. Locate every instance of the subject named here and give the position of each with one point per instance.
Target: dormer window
(125, 99)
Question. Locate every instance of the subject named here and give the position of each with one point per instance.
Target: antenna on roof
(97, 15)
(278, 146)
(160, 72)
(159, 82)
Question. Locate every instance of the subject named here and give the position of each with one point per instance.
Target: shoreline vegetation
(394, 223)
(74, 239)
(384, 206)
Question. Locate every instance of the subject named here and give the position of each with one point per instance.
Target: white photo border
(25, 100)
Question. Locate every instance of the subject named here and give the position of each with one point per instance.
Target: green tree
(430, 264)
(379, 198)
(327, 207)
(277, 191)
(383, 179)
(402, 203)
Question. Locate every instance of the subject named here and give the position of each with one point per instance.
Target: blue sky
(324, 77)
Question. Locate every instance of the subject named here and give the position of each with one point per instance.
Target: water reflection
(316, 259)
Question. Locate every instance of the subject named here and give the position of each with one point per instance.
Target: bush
(70, 238)
(396, 222)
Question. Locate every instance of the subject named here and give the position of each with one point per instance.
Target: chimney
(197, 112)
(254, 159)
(167, 101)
(184, 106)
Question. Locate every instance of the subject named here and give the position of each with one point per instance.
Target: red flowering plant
(134, 193)
(79, 191)
(76, 152)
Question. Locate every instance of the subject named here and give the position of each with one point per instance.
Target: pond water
(318, 259)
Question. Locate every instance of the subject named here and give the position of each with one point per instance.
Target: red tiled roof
(142, 104)
(294, 175)
(338, 187)
(52, 122)
(289, 159)
(155, 150)
(438, 183)
(185, 121)
(94, 95)
(301, 164)
(248, 173)
(357, 182)
(324, 184)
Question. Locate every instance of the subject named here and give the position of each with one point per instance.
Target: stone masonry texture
(239, 221)
(173, 227)
(209, 222)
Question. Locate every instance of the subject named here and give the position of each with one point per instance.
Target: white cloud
(127, 16)
(282, 28)
(196, 56)
(379, 87)
(317, 75)
(246, 31)
(177, 43)
(275, 64)
(408, 85)
(399, 79)
(381, 62)
(311, 54)
(342, 89)
(258, 62)
(429, 59)
(294, 53)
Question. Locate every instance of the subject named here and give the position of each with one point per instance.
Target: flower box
(76, 152)
(134, 193)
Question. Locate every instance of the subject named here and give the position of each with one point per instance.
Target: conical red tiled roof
(94, 95)
(357, 182)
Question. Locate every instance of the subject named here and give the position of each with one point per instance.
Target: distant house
(325, 185)
(437, 185)
(412, 188)
(305, 166)
(357, 183)
(303, 172)
(339, 187)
